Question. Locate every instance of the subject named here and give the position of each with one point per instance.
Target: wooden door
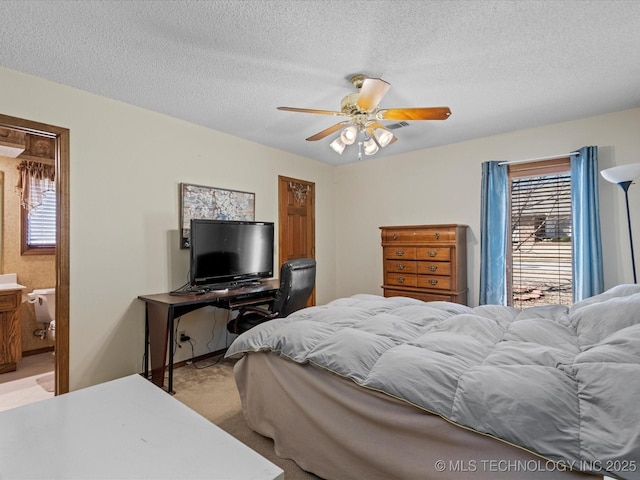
(296, 232)
(62, 159)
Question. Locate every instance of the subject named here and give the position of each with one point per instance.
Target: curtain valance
(35, 179)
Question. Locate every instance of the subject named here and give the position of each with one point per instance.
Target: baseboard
(38, 351)
(199, 358)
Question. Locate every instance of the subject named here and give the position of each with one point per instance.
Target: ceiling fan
(364, 123)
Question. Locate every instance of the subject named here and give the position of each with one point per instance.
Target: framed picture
(197, 201)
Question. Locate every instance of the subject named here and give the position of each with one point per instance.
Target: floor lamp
(624, 175)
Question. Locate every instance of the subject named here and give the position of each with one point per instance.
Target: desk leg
(158, 319)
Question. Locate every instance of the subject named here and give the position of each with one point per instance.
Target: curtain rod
(511, 162)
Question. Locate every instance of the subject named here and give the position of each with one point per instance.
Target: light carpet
(209, 388)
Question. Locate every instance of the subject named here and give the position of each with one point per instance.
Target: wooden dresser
(427, 262)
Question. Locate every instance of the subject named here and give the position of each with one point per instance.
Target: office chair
(297, 279)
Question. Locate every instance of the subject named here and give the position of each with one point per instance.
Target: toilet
(44, 303)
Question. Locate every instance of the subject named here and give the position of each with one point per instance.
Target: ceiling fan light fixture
(338, 146)
(363, 124)
(349, 135)
(370, 146)
(383, 136)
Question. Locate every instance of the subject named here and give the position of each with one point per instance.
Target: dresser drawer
(424, 296)
(428, 281)
(406, 253)
(437, 254)
(434, 268)
(401, 266)
(419, 235)
(401, 279)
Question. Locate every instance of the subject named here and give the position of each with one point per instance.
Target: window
(39, 223)
(496, 240)
(540, 253)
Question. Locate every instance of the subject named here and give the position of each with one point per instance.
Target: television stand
(162, 309)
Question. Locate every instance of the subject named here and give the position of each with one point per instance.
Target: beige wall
(126, 167)
(34, 271)
(127, 164)
(442, 185)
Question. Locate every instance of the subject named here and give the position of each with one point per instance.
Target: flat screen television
(230, 252)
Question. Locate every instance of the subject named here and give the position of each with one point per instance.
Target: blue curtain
(588, 276)
(493, 234)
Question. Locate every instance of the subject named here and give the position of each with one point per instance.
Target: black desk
(162, 309)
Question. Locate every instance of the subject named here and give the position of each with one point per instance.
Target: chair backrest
(297, 279)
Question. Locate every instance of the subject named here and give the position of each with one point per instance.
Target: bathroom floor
(31, 382)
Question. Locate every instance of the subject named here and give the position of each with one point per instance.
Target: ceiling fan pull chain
(360, 150)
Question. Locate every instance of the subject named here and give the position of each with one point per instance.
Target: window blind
(41, 222)
(541, 247)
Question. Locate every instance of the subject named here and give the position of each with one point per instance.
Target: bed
(379, 388)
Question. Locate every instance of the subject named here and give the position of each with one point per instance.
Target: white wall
(126, 167)
(442, 185)
(127, 163)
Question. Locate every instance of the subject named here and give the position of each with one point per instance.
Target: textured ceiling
(499, 65)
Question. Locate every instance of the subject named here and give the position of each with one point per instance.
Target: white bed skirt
(337, 430)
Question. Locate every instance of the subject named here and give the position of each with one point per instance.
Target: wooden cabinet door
(10, 331)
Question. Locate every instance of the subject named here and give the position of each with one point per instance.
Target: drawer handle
(433, 268)
(433, 282)
(399, 253)
(400, 266)
(395, 236)
(433, 253)
(437, 236)
(400, 279)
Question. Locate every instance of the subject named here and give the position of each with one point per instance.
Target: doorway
(296, 221)
(61, 142)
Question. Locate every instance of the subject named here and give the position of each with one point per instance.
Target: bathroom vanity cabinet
(10, 329)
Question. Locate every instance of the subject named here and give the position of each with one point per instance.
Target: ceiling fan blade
(308, 110)
(371, 92)
(427, 113)
(373, 125)
(327, 131)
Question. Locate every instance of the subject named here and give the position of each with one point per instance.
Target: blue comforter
(563, 383)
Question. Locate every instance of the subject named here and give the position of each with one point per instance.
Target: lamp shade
(622, 173)
(337, 145)
(348, 135)
(383, 136)
(370, 146)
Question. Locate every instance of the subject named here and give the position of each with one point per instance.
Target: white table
(123, 429)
